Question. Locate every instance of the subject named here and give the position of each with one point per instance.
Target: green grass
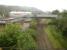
(52, 35)
(1, 28)
(59, 37)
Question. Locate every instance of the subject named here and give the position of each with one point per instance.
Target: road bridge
(25, 18)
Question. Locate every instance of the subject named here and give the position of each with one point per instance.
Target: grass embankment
(1, 28)
(54, 37)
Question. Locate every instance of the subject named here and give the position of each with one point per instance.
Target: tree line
(61, 22)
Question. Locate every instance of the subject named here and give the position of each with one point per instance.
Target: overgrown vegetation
(26, 40)
(59, 29)
(54, 37)
(13, 37)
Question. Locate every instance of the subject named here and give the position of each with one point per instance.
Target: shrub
(13, 36)
(8, 37)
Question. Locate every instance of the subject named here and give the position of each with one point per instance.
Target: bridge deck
(15, 19)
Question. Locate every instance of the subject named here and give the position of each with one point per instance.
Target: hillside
(23, 8)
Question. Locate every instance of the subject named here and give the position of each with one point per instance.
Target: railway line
(42, 39)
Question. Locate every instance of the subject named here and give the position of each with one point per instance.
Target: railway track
(42, 39)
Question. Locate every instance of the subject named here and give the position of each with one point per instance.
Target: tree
(61, 23)
(4, 11)
(55, 12)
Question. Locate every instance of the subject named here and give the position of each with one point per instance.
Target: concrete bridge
(25, 18)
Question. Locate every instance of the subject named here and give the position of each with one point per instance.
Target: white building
(19, 14)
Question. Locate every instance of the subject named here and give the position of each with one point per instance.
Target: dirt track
(42, 39)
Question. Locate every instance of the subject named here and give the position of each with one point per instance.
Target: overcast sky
(45, 5)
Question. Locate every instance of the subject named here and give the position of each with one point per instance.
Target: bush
(8, 37)
(13, 36)
(26, 40)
